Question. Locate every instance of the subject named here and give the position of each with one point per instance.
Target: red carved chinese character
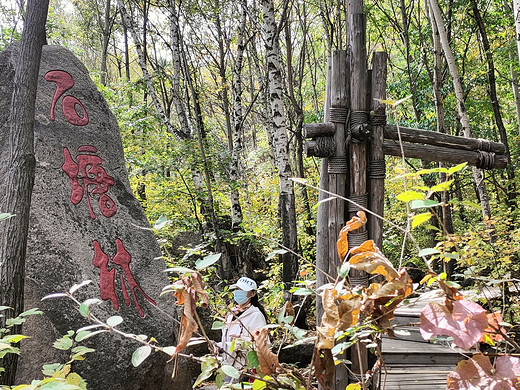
(64, 81)
(107, 277)
(92, 175)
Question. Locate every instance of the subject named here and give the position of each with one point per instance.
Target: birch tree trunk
(280, 142)
(238, 119)
(477, 173)
(18, 185)
(182, 133)
(516, 15)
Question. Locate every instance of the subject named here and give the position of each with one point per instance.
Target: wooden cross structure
(353, 142)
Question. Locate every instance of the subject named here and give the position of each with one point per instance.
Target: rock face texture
(86, 225)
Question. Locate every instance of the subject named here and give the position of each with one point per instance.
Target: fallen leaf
(268, 361)
(463, 320)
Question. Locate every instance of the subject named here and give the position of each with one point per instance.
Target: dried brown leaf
(200, 289)
(329, 320)
(372, 261)
(324, 367)
(188, 323)
(348, 311)
(288, 310)
(268, 361)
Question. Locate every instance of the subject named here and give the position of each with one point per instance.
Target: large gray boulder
(86, 225)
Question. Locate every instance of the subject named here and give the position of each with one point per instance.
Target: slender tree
(280, 143)
(478, 176)
(493, 96)
(20, 179)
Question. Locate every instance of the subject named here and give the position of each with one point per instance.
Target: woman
(247, 316)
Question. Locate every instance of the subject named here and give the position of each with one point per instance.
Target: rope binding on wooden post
(338, 164)
(356, 201)
(338, 114)
(485, 160)
(377, 169)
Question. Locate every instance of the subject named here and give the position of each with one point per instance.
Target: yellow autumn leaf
(420, 218)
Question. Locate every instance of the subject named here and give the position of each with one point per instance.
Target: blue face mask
(240, 296)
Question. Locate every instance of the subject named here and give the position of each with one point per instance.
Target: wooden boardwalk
(410, 362)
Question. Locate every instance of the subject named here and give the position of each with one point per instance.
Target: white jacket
(251, 319)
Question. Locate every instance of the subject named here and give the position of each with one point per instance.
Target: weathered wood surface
(325, 129)
(322, 218)
(428, 137)
(358, 150)
(439, 153)
(377, 185)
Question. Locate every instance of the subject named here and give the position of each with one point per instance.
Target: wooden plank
(429, 137)
(394, 346)
(311, 130)
(440, 154)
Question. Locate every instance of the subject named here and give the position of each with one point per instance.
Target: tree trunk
(19, 182)
(280, 142)
(516, 15)
(238, 119)
(405, 34)
(182, 133)
(516, 95)
(478, 176)
(511, 189)
(437, 81)
(127, 56)
(298, 111)
(106, 29)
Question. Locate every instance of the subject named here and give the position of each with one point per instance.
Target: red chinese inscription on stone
(107, 277)
(96, 181)
(64, 81)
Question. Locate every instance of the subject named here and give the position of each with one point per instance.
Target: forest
(213, 99)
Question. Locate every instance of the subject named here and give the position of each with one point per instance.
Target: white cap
(245, 284)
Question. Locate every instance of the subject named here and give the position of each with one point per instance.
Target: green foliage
(57, 376)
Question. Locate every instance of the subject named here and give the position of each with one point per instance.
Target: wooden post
(338, 166)
(376, 165)
(338, 170)
(358, 160)
(322, 234)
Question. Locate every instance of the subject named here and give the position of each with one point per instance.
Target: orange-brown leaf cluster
(189, 291)
(355, 223)
(268, 361)
(369, 258)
